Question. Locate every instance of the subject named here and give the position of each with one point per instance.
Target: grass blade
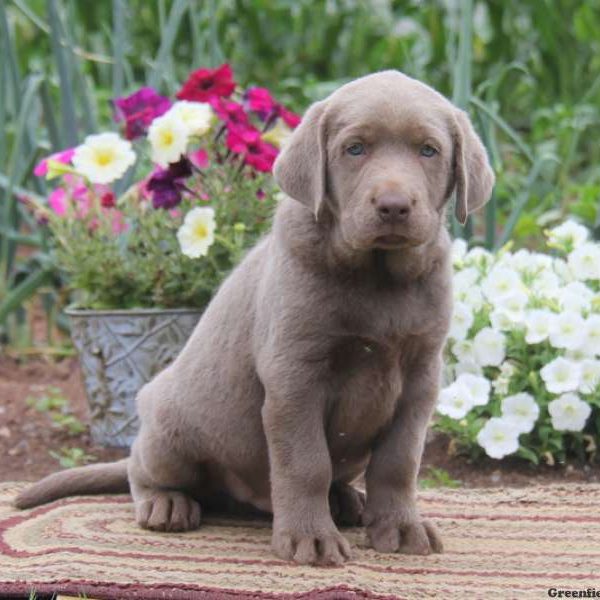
(22, 292)
(522, 199)
(169, 33)
(119, 32)
(67, 99)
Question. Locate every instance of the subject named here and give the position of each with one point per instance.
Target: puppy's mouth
(392, 240)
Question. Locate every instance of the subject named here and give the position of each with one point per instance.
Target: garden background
(528, 73)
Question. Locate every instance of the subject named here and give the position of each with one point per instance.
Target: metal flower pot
(119, 351)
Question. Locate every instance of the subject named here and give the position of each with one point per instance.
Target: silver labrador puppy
(319, 358)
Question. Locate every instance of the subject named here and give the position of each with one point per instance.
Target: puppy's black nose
(392, 208)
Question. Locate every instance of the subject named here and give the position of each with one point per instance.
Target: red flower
(206, 84)
(108, 200)
(257, 153)
(232, 113)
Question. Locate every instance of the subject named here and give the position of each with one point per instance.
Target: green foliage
(528, 72)
(56, 407)
(437, 478)
(144, 266)
(72, 457)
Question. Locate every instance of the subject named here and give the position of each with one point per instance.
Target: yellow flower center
(104, 156)
(498, 436)
(167, 138)
(200, 231)
(569, 409)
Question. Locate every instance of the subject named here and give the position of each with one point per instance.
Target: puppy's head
(383, 154)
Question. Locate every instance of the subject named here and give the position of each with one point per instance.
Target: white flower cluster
(546, 309)
(170, 133)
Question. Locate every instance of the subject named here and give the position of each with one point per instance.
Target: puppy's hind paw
(168, 511)
(347, 505)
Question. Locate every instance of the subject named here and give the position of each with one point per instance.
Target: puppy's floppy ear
(301, 167)
(473, 175)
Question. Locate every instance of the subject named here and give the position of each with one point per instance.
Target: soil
(27, 436)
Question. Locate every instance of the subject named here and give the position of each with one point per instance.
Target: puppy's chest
(367, 363)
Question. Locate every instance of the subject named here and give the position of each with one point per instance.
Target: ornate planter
(119, 351)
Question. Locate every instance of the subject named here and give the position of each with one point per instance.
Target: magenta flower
(232, 113)
(260, 101)
(205, 84)
(257, 153)
(199, 158)
(64, 157)
(139, 110)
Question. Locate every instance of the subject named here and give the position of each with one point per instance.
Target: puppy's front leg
(300, 464)
(391, 515)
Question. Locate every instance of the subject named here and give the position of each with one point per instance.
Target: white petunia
(455, 401)
(103, 157)
(168, 137)
(561, 375)
(591, 342)
(500, 282)
(197, 233)
(474, 298)
(464, 280)
(498, 437)
(545, 283)
(584, 262)
(590, 376)
(502, 382)
(499, 319)
(513, 305)
(538, 325)
(467, 366)
(195, 116)
(569, 413)
(567, 330)
(459, 250)
(463, 350)
(479, 257)
(462, 319)
(478, 386)
(489, 347)
(522, 410)
(569, 233)
(575, 297)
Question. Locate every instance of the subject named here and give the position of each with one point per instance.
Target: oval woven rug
(501, 543)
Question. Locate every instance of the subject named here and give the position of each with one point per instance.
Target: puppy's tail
(103, 478)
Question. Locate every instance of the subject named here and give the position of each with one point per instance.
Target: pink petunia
(64, 157)
(232, 113)
(118, 223)
(257, 153)
(199, 158)
(58, 201)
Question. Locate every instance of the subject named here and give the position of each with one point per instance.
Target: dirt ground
(27, 436)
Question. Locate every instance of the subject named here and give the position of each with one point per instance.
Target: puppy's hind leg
(161, 484)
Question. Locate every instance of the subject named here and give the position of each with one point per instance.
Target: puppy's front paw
(413, 537)
(320, 548)
(168, 511)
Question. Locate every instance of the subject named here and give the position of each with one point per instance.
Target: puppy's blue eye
(355, 149)
(428, 151)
